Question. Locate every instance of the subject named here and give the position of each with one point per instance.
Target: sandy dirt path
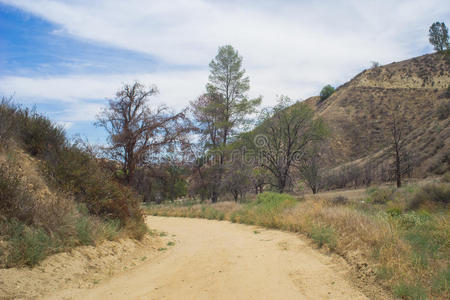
(222, 260)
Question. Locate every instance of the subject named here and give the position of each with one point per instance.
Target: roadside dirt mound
(83, 267)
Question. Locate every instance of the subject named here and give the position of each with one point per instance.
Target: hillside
(358, 115)
(54, 194)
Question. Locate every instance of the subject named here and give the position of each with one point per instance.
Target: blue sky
(69, 57)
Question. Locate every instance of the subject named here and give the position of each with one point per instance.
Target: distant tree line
(223, 146)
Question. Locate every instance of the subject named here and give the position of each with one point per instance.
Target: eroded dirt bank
(221, 260)
(78, 269)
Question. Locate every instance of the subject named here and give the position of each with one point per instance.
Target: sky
(68, 57)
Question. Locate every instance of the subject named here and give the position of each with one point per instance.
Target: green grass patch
(441, 282)
(111, 229)
(84, 231)
(265, 210)
(323, 235)
(28, 245)
(410, 291)
(384, 273)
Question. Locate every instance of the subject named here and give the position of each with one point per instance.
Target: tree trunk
(282, 183)
(398, 173)
(214, 197)
(235, 196)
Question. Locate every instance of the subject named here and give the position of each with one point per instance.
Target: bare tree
(398, 127)
(137, 131)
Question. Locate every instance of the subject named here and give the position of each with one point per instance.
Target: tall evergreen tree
(438, 34)
(224, 109)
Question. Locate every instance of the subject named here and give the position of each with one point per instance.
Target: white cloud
(64, 124)
(81, 94)
(289, 47)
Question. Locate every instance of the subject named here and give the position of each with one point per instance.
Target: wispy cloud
(289, 47)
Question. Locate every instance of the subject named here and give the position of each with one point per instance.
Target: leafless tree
(136, 130)
(398, 127)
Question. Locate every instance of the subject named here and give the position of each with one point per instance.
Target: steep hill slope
(358, 114)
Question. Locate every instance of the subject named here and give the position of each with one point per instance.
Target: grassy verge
(406, 249)
(28, 244)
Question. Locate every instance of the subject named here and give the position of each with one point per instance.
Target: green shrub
(40, 136)
(324, 235)
(394, 211)
(27, 245)
(84, 230)
(380, 196)
(326, 92)
(81, 175)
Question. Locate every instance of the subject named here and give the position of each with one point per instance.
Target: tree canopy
(135, 129)
(438, 36)
(326, 92)
(283, 136)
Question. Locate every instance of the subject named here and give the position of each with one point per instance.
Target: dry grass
(405, 251)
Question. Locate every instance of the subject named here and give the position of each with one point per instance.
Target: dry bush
(68, 168)
(438, 193)
(446, 177)
(380, 195)
(443, 111)
(339, 200)
(15, 200)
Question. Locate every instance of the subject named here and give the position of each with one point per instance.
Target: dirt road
(221, 260)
